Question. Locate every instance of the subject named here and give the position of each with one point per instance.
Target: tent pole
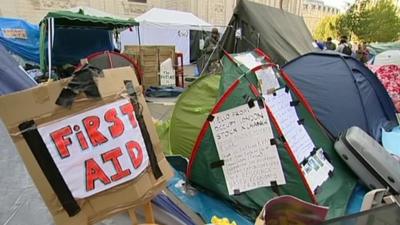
(49, 46)
(138, 32)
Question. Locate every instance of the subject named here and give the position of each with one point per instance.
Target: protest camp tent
(12, 76)
(237, 86)
(342, 92)
(381, 47)
(386, 58)
(181, 29)
(76, 33)
(283, 35)
(20, 37)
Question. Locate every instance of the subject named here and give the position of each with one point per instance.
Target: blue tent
(342, 92)
(21, 38)
(12, 77)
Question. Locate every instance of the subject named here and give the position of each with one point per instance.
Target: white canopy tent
(165, 27)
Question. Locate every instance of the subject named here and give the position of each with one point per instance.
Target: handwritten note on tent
(286, 116)
(242, 136)
(97, 149)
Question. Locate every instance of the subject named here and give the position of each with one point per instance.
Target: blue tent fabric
(25, 47)
(83, 41)
(342, 92)
(12, 78)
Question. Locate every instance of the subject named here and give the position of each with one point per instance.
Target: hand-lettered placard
(242, 136)
(97, 149)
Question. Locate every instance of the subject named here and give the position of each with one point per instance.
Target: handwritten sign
(286, 116)
(317, 168)
(167, 74)
(242, 136)
(16, 33)
(97, 149)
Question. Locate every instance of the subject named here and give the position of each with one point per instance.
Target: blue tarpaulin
(21, 38)
(73, 44)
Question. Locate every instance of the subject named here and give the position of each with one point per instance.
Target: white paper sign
(249, 60)
(167, 74)
(317, 169)
(242, 136)
(97, 149)
(286, 116)
(267, 79)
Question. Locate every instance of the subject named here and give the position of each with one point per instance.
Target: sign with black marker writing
(242, 136)
(97, 149)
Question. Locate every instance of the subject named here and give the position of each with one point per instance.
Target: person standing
(210, 53)
(344, 48)
(329, 45)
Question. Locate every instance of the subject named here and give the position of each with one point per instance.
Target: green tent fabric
(92, 18)
(235, 90)
(283, 35)
(191, 110)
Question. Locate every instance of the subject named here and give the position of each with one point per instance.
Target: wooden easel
(149, 215)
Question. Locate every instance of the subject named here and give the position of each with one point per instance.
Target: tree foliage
(365, 20)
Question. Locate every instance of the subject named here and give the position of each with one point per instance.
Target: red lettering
(112, 156)
(61, 142)
(82, 141)
(117, 129)
(127, 109)
(93, 173)
(92, 124)
(136, 158)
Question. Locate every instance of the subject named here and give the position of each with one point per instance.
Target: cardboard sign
(98, 149)
(117, 171)
(167, 74)
(16, 33)
(242, 136)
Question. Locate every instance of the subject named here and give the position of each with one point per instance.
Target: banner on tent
(243, 139)
(97, 149)
(16, 33)
(315, 167)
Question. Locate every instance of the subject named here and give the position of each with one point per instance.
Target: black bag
(347, 50)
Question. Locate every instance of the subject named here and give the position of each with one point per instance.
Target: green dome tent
(190, 112)
(191, 134)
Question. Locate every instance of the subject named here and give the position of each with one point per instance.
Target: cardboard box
(151, 57)
(38, 104)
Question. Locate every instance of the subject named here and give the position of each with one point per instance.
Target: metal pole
(49, 46)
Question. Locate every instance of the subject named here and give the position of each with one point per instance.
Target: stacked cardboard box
(150, 58)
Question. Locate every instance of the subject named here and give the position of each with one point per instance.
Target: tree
(331, 26)
(365, 20)
(376, 21)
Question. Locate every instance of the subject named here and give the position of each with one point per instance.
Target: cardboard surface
(38, 104)
(151, 57)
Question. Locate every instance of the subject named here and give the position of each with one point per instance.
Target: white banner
(242, 136)
(97, 149)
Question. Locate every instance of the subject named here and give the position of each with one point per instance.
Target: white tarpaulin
(165, 27)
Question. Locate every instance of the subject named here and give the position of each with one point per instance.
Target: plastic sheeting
(21, 38)
(12, 76)
(73, 44)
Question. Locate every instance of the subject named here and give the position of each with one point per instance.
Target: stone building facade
(314, 11)
(216, 12)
